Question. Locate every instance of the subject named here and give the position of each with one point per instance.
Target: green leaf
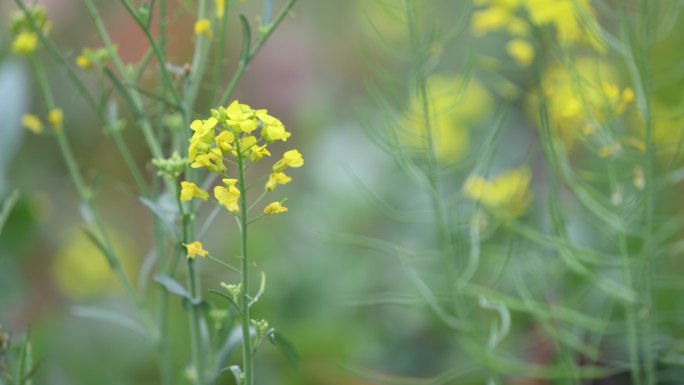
(286, 347)
(173, 287)
(246, 40)
(163, 216)
(99, 314)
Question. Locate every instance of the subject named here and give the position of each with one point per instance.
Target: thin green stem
(194, 284)
(244, 304)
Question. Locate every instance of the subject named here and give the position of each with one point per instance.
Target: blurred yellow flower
(580, 98)
(32, 123)
(25, 43)
(79, 269)
(203, 27)
(274, 208)
(196, 249)
(509, 192)
(56, 119)
(454, 107)
(190, 190)
(272, 129)
(82, 61)
(522, 51)
(220, 8)
(275, 179)
(228, 196)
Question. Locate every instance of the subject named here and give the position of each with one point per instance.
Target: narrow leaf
(98, 314)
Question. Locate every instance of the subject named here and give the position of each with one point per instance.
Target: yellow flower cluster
(25, 35)
(230, 132)
(508, 193)
(581, 98)
(572, 21)
(33, 123)
(455, 105)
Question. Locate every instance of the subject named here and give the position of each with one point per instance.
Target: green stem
(194, 284)
(246, 338)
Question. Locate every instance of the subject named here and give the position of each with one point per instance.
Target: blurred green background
(315, 75)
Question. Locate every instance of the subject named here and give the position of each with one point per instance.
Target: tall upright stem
(246, 338)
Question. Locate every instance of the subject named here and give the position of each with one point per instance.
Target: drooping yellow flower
(196, 249)
(522, 51)
(275, 179)
(228, 196)
(212, 160)
(190, 190)
(56, 118)
(291, 158)
(32, 123)
(272, 129)
(508, 193)
(25, 43)
(203, 27)
(274, 208)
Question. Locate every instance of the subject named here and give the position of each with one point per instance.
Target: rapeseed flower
(275, 179)
(521, 50)
(56, 119)
(291, 158)
(203, 27)
(274, 208)
(228, 196)
(508, 193)
(32, 123)
(190, 190)
(195, 249)
(455, 106)
(25, 43)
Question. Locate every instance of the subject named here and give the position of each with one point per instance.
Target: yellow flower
(291, 158)
(203, 27)
(220, 8)
(509, 192)
(224, 141)
(455, 106)
(272, 129)
(190, 190)
(25, 43)
(203, 136)
(56, 118)
(521, 50)
(32, 123)
(194, 249)
(258, 152)
(240, 117)
(275, 179)
(489, 20)
(274, 208)
(82, 61)
(580, 98)
(212, 160)
(228, 196)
